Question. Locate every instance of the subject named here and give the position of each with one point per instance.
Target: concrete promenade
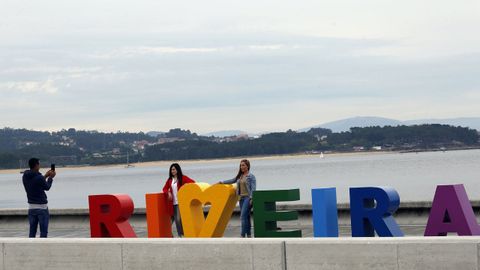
(407, 253)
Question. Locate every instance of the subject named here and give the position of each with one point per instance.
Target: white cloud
(130, 52)
(47, 86)
(266, 47)
(149, 50)
(473, 95)
(48, 69)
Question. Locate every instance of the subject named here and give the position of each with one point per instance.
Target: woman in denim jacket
(246, 185)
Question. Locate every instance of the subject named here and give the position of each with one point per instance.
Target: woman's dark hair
(179, 173)
(240, 168)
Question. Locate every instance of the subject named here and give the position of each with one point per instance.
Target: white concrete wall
(204, 254)
(82, 254)
(61, 254)
(1, 257)
(340, 254)
(407, 253)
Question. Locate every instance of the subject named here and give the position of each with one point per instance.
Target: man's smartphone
(52, 167)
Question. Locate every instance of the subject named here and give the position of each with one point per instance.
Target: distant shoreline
(253, 158)
(194, 161)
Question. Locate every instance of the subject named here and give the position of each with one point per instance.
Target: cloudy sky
(249, 65)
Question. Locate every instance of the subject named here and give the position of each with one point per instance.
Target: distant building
(169, 140)
(140, 145)
(409, 145)
(64, 160)
(27, 143)
(235, 138)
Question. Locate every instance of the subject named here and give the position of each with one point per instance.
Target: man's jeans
(36, 217)
(245, 217)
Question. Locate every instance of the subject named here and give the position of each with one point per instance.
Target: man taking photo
(35, 185)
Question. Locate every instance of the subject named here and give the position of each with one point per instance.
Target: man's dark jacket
(35, 186)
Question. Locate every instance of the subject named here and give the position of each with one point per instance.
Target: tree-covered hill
(78, 147)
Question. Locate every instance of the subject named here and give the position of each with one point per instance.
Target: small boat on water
(128, 163)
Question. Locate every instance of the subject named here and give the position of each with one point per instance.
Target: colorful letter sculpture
(109, 215)
(266, 214)
(371, 210)
(367, 217)
(451, 212)
(192, 198)
(324, 212)
(158, 220)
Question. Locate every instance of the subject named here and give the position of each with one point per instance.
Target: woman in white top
(175, 181)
